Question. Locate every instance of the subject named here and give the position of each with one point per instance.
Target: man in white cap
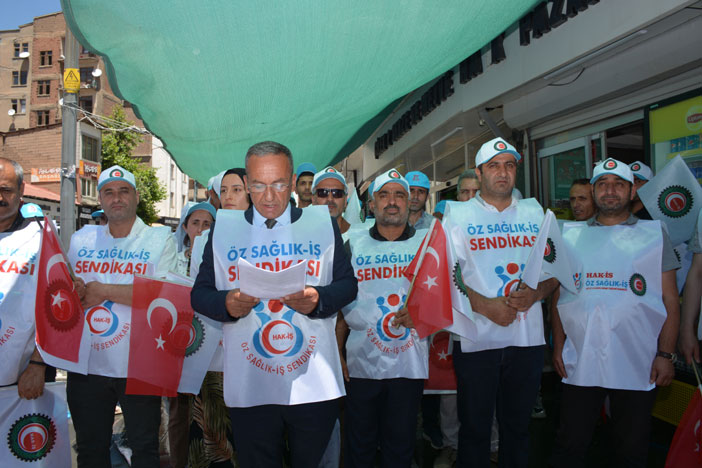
(419, 192)
(642, 174)
(329, 188)
(492, 235)
(620, 329)
(387, 362)
(106, 258)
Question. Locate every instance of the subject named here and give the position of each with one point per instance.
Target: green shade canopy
(212, 77)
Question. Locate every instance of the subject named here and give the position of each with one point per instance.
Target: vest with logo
(375, 349)
(612, 324)
(491, 249)
(275, 355)
(97, 256)
(19, 262)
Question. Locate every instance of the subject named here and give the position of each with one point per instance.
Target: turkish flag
(161, 331)
(686, 448)
(58, 313)
(429, 301)
(442, 377)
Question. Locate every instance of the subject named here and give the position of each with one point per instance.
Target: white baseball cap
(328, 173)
(612, 166)
(494, 147)
(115, 173)
(390, 176)
(641, 170)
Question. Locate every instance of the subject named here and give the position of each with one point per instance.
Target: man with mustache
(106, 258)
(492, 235)
(329, 188)
(618, 333)
(387, 362)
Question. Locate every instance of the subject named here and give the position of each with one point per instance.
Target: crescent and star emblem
(168, 305)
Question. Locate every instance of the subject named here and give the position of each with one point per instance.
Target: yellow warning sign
(71, 80)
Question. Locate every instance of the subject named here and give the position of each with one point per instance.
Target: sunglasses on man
(324, 193)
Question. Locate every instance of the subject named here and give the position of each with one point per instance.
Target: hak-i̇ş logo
(389, 306)
(277, 335)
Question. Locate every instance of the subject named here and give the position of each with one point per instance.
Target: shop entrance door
(561, 164)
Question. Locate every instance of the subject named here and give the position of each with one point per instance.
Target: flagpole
(697, 376)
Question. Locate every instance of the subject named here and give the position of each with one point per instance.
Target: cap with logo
(612, 166)
(418, 179)
(31, 210)
(494, 147)
(370, 189)
(390, 176)
(97, 213)
(306, 167)
(328, 173)
(202, 206)
(641, 170)
(114, 174)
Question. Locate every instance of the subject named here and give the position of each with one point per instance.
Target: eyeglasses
(335, 192)
(260, 188)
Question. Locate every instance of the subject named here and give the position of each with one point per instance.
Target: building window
(90, 149)
(172, 171)
(43, 87)
(19, 48)
(88, 188)
(19, 106)
(172, 198)
(45, 58)
(86, 74)
(19, 78)
(42, 118)
(86, 103)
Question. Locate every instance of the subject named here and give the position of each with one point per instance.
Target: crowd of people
(342, 355)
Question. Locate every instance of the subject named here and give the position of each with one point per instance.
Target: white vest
(275, 355)
(19, 258)
(612, 325)
(375, 349)
(492, 248)
(97, 256)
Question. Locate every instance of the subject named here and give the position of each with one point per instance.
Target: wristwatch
(672, 356)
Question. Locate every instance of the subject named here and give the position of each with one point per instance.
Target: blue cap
(96, 214)
(306, 167)
(390, 176)
(440, 207)
(202, 206)
(418, 179)
(31, 210)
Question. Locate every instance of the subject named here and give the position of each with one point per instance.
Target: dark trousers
(179, 429)
(381, 413)
(629, 425)
(92, 400)
(507, 379)
(259, 433)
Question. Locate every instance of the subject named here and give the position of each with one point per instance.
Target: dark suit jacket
(207, 300)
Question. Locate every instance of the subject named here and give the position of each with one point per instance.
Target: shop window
(19, 78)
(43, 87)
(90, 149)
(19, 106)
(675, 128)
(45, 58)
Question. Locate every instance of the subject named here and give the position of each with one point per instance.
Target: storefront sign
(45, 174)
(533, 25)
(89, 169)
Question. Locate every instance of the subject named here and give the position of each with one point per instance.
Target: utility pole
(71, 86)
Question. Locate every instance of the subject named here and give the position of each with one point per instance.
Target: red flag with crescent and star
(442, 377)
(429, 299)
(58, 313)
(161, 331)
(686, 447)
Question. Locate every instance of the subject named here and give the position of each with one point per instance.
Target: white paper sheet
(265, 284)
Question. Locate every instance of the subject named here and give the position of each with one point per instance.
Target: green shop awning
(212, 77)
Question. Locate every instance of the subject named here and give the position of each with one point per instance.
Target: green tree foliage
(117, 147)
